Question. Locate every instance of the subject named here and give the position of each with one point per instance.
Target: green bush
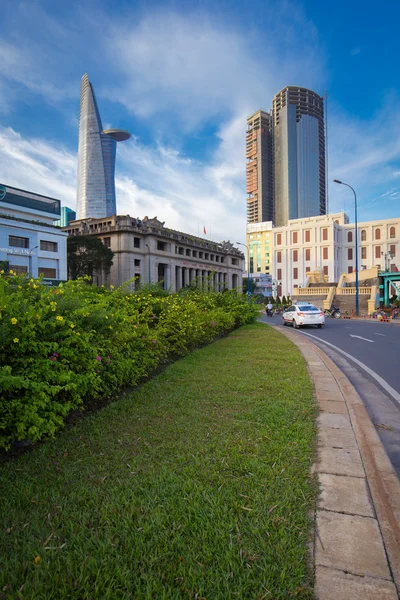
(66, 346)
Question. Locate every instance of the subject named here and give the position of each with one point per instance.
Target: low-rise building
(29, 241)
(323, 244)
(147, 251)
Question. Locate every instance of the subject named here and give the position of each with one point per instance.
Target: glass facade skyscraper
(96, 159)
(299, 155)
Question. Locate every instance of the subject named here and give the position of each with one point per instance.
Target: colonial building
(29, 241)
(324, 244)
(149, 252)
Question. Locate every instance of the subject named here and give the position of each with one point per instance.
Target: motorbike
(333, 312)
(269, 312)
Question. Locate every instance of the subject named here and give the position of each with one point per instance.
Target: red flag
(205, 231)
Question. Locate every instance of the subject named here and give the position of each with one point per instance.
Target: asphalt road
(368, 352)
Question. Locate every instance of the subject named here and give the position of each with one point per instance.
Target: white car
(303, 314)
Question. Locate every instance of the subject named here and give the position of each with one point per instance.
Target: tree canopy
(87, 255)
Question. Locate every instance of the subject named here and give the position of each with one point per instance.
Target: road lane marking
(382, 334)
(386, 386)
(361, 338)
(349, 328)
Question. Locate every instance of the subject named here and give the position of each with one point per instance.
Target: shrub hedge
(65, 346)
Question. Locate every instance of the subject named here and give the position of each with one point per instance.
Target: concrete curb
(357, 543)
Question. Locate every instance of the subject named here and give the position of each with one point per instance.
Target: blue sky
(182, 77)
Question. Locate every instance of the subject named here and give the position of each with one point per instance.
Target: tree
(86, 255)
(284, 300)
(245, 284)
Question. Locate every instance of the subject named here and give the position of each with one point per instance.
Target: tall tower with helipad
(95, 195)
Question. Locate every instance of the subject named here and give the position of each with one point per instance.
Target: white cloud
(355, 51)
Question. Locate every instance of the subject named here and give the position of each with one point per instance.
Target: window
(222, 259)
(279, 273)
(350, 236)
(349, 253)
(364, 252)
(48, 246)
(392, 250)
(295, 273)
(194, 253)
(324, 234)
(392, 232)
(200, 255)
(278, 239)
(393, 268)
(363, 235)
(161, 246)
(216, 257)
(377, 251)
(326, 270)
(350, 269)
(18, 269)
(137, 262)
(206, 257)
(18, 242)
(47, 273)
(308, 235)
(308, 254)
(235, 261)
(295, 256)
(107, 242)
(307, 269)
(279, 257)
(136, 242)
(325, 253)
(187, 252)
(181, 250)
(377, 234)
(295, 237)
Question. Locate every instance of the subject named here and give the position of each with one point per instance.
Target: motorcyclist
(268, 309)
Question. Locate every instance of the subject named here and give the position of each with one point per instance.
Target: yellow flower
(111, 287)
(60, 318)
(20, 287)
(37, 560)
(14, 321)
(15, 340)
(38, 316)
(72, 325)
(1, 272)
(35, 286)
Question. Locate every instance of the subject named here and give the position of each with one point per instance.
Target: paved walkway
(357, 542)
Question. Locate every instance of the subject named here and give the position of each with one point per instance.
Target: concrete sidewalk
(357, 541)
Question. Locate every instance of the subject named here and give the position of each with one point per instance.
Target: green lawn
(195, 486)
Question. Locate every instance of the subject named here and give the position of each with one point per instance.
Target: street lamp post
(356, 235)
(148, 247)
(30, 260)
(248, 269)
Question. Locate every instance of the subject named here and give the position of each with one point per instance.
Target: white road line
(349, 328)
(377, 377)
(361, 338)
(382, 334)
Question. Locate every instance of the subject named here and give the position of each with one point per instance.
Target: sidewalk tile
(340, 461)
(336, 585)
(332, 407)
(350, 543)
(337, 438)
(330, 421)
(345, 494)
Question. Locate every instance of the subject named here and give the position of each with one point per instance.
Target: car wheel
(284, 322)
(319, 326)
(295, 326)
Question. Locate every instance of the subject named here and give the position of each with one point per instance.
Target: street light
(30, 260)
(248, 269)
(148, 247)
(356, 235)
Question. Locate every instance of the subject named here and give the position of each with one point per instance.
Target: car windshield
(309, 308)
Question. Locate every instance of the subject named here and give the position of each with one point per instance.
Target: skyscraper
(259, 168)
(97, 149)
(299, 155)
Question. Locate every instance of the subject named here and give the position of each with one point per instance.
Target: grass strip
(195, 485)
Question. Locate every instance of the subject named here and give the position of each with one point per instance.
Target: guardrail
(351, 291)
(323, 291)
